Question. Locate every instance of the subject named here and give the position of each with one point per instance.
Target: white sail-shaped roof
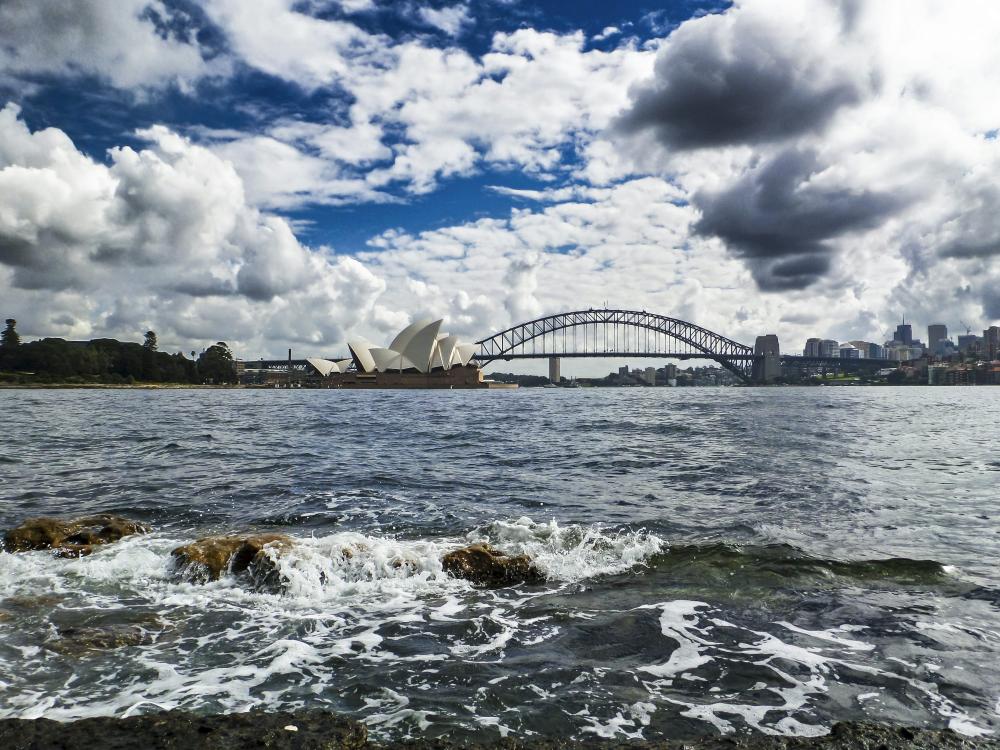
(389, 360)
(323, 366)
(446, 349)
(360, 350)
(420, 349)
(420, 346)
(404, 337)
(465, 353)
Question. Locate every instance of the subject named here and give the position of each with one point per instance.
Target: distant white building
(420, 347)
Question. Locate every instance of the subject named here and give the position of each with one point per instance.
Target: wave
(784, 561)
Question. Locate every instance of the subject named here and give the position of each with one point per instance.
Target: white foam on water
(354, 602)
(678, 621)
(572, 552)
(687, 622)
(341, 593)
(832, 635)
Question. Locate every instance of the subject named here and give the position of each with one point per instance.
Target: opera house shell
(420, 348)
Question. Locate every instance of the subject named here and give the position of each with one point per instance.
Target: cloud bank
(810, 169)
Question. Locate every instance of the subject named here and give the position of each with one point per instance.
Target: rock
(207, 559)
(486, 566)
(181, 730)
(70, 537)
(321, 730)
(79, 641)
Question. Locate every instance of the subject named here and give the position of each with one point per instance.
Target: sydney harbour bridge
(620, 334)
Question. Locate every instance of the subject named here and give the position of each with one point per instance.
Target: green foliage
(9, 339)
(53, 360)
(216, 364)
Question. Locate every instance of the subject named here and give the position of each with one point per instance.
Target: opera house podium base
(467, 376)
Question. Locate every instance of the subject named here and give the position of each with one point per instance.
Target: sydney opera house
(420, 356)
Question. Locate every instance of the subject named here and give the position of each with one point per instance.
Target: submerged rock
(486, 566)
(71, 537)
(79, 641)
(207, 559)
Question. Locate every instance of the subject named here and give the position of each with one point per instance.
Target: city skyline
(331, 170)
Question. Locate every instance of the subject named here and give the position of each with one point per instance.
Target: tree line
(54, 360)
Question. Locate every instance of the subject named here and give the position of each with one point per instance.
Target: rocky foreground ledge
(306, 730)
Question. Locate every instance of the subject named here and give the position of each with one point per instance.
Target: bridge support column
(767, 359)
(554, 376)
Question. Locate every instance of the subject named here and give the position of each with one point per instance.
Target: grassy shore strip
(302, 730)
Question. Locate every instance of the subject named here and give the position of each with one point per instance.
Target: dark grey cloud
(731, 81)
(975, 231)
(991, 302)
(781, 223)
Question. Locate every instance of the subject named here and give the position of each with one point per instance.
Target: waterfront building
(829, 348)
(623, 370)
(868, 349)
(811, 348)
(848, 351)
(649, 376)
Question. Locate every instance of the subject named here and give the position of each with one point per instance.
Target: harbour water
(718, 560)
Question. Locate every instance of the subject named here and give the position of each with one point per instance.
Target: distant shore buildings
(972, 360)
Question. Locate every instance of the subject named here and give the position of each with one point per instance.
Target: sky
(289, 173)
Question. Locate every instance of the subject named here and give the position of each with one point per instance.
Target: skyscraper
(936, 332)
(904, 333)
(812, 348)
(991, 343)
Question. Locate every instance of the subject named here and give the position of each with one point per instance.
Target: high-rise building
(904, 333)
(812, 348)
(991, 343)
(849, 351)
(936, 332)
(967, 342)
(649, 375)
(829, 348)
(623, 370)
(554, 375)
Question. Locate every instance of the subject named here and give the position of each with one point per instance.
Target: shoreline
(321, 729)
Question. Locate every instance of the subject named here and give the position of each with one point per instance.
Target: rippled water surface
(718, 560)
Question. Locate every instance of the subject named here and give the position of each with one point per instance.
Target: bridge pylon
(767, 359)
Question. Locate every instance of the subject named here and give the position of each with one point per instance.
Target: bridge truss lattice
(615, 333)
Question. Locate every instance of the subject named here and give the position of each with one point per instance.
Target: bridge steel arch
(616, 333)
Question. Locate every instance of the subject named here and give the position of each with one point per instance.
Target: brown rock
(78, 641)
(486, 566)
(71, 537)
(208, 558)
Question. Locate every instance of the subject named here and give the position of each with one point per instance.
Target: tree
(216, 364)
(150, 368)
(9, 339)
